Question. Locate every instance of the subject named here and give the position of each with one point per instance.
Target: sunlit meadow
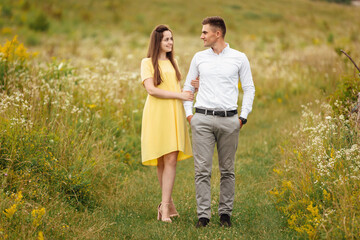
(70, 120)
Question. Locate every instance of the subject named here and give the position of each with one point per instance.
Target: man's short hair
(217, 22)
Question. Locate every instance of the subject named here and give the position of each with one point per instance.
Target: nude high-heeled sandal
(163, 212)
(172, 210)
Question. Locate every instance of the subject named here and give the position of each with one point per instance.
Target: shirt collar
(223, 51)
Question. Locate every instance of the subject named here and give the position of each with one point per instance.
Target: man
(216, 120)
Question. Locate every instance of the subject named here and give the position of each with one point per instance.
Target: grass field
(71, 106)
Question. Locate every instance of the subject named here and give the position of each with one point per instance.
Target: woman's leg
(168, 176)
(160, 170)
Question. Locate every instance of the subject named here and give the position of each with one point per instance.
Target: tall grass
(60, 137)
(319, 176)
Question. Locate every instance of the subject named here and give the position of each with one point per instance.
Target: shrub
(39, 23)
(6, 11)
(344, 99)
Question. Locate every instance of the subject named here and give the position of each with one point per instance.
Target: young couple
(215, 74)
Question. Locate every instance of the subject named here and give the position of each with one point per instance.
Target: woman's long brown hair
(154, 52)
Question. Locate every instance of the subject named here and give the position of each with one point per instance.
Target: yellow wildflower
(21, 52)
(19, 197)
(310, 230)
(332, 153)
(12, 50)
(282, 150)
(327, 195)
(277, 171)
(37, 215)
(8, 49)
(292, 221)
(40, 236)
(274, 192)
(313, 210)
(10, 211)
(287, 185)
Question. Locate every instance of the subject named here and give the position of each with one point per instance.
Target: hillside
(71, 106)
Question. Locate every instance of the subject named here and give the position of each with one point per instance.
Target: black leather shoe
(202, 222)
(225, 220)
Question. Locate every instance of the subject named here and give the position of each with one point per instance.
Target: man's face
(208, 35)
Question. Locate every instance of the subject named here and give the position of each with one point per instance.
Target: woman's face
(167, 42)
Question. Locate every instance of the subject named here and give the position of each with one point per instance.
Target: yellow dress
(163, 128)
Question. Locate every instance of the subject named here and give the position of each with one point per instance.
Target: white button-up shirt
(219, 77)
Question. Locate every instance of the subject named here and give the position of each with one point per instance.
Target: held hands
(189, 118)
(187, 96)
(195, 84)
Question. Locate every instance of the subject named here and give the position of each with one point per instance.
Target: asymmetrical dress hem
(163, 128)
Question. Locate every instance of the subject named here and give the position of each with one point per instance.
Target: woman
(164, 136)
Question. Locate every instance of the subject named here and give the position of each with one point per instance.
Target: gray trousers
(206, 131)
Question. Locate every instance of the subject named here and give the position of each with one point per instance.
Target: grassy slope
(283, 40)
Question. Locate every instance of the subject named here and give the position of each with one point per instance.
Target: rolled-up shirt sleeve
(192, 74)
(248, 87)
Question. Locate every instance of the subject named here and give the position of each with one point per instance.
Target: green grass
(254, 215)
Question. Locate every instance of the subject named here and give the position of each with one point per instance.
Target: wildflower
(21, 52)
(292, 220)
(327, 195)
(40, 236)
(313, 210)
(8, 49)
(310, 230)
(277, 171)
(332, 153)
(274, 192)
(10, 211)
(287, 184)
(13, 50)
(37, 214)
(19, 197)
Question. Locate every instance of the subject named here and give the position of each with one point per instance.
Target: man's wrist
(243, 120)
